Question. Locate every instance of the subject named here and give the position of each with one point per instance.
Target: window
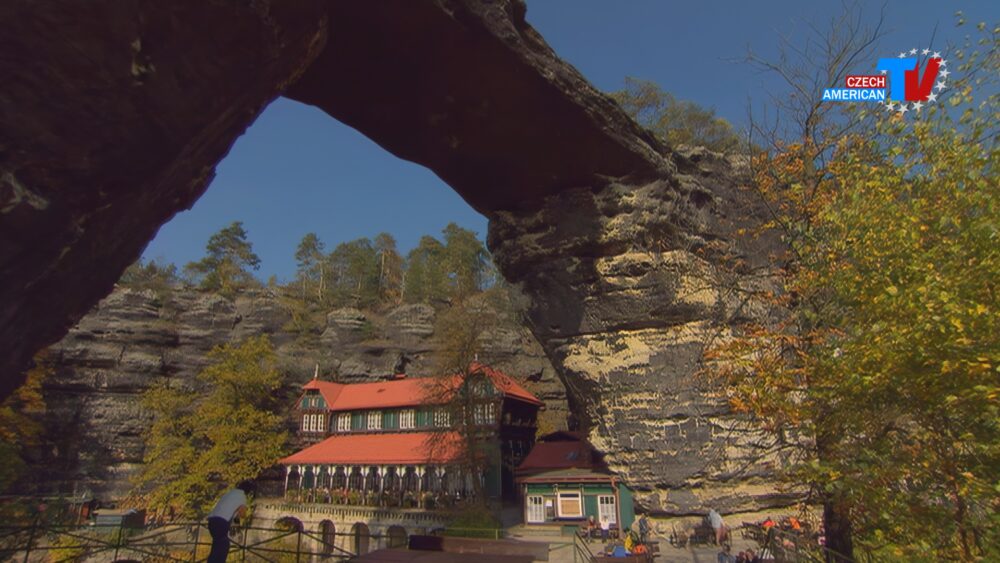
(536, 509)
(390, 420)
(485, 413)
(570, 505)
(407, 419)
(442, 418)
(343, 422)
(606, 510)
(374, 420)
(305, 423)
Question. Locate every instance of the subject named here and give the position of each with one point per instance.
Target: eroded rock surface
(113, 116)
(629, 286)
(134, 339)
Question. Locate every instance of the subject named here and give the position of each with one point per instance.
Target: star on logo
(942, 62)
(925, 51)
(913, 51)
(903, 109)
(932, 97)
(917, 106)
(890, 106)
(902, 55)
(939, 86)
(884, 71)
(945, 73)
(936, 55)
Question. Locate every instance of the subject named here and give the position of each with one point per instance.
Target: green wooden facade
(557, 502)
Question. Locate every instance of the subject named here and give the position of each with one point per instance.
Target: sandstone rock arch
(115, 114)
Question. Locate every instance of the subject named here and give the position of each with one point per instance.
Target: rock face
(629, 284)
(135, 339)
(115, 113)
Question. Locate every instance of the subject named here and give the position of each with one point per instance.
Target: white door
(536, 509)
(606, 509)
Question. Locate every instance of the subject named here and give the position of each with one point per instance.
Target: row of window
(569, 505)
(406, 419)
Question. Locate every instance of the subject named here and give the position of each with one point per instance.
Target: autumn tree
(19, 425)
(226, 267)
(674, 121)
(204, 441)
(886, 364)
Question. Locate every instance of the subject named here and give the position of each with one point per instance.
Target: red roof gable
(401, 448)
(410, 391)
(506, 384)
(561, 450)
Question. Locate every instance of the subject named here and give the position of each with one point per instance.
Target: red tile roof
(558, 455)
(506, 384)
(401, 448)
(407, 392)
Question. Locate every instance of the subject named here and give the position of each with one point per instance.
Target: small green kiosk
(563, 481)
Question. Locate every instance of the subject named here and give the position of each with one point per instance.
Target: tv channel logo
(907, 82)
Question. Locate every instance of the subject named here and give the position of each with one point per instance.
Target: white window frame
(344, 422)
(442, 418)
(609, 501)
(559, 504)
(536, 508)
(305, 423)
(374, 420)
(407, 419)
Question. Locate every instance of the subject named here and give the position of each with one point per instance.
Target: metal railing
(188, 542)
(792, 547)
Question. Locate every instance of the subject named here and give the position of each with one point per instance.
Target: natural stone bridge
(114, 115)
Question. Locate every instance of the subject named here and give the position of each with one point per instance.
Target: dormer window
(374, 420)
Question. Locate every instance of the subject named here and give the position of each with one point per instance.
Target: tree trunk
(837, 524)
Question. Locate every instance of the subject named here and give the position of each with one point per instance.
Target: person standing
(715, 519)
(232, 504)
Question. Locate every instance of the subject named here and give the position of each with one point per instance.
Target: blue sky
(297, 170)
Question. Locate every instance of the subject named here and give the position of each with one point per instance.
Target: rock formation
(114, 115)
(134, 339)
